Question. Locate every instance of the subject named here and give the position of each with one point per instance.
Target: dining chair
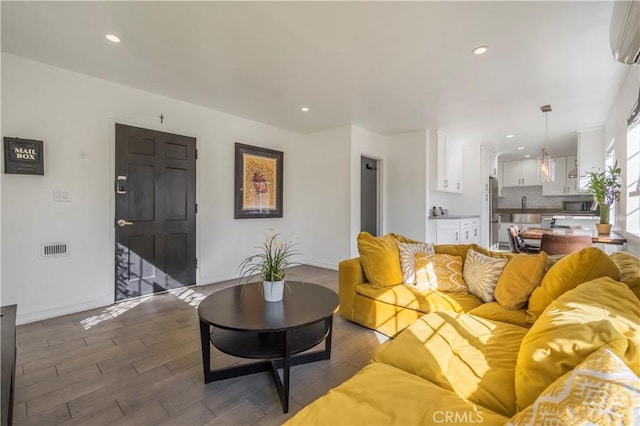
(517, 244)
(564, 244)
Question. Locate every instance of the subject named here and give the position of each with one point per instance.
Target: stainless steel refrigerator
(494, 217)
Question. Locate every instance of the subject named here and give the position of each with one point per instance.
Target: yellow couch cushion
(600, 391)
(461, 250)
(383, 395)
(567, 273)
(420, 300)
(493, 311)
(380, 259)
(470, 356)
(441, 272)
(629, 270)
(598, 313)
(520, 277)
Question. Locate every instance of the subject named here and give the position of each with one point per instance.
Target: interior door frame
(379, 191)
(112, 194)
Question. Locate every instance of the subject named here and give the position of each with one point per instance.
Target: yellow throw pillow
(598, 313)
(629, 270)
(380, 259)
(440, 272)
(481, 274)
(456, 249)
(567, 273)
(408, 260)
(600, 391)
(520, 277)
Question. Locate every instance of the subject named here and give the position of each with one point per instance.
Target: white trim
(25, 318)
(321, 264)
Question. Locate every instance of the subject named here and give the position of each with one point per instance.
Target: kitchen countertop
(454, 216)
(548, 212)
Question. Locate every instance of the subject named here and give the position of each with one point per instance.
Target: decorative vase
(603, 228)
(273, 290)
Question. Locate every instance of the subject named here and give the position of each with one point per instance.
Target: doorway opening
(370, 195)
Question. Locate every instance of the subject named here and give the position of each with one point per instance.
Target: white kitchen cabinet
(469, 231)
(563, 184)
(489, 159)
(572, 182)
(447, 231)
(447, 165)
(457, 231)
(520, 173)
(499, 176)
(591, 153)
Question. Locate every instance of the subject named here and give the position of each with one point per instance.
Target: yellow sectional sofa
(571, 357)
(391, 309)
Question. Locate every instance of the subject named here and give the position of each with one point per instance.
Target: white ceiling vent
(54, 249)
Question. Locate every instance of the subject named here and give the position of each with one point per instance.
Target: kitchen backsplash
(512, 198)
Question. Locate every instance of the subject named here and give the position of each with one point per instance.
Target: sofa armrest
(350, 274)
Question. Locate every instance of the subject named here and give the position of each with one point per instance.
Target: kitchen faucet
(524, 202)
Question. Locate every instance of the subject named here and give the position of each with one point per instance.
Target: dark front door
(155, 211)
(369, 195)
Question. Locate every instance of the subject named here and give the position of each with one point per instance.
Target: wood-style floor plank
(139, 363)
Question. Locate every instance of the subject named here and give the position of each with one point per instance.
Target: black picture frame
(23, 156)
(258, 191)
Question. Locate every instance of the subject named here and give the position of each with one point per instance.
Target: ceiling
(389, 67)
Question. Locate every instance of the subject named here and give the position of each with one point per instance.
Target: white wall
(74, 115)
(616, 127)
(407, 180)
(325, 198)
(372, 145)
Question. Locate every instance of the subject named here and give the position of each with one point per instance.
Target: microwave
(578, 206)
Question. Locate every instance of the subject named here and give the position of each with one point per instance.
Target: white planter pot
(273, 290)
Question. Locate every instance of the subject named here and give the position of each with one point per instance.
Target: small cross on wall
(161, 118)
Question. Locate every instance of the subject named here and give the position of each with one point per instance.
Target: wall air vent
(54, 249)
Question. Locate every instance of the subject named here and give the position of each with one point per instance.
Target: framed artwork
(258, 182)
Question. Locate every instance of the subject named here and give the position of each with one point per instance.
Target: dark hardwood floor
(139, 363)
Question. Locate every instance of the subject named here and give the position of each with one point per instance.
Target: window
(633, 172)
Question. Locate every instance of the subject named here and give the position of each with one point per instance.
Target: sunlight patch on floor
(112, 311)
(189, 296)
(380, 337)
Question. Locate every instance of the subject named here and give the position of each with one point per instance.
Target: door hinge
(196, 154)
(196, 207)
(196, 263)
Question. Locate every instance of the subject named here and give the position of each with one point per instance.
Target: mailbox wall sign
(23, 156)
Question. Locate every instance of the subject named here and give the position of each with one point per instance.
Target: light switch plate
(61, 195)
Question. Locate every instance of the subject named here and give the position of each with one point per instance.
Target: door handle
(122, 223)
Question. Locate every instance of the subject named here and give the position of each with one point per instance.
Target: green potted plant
(271, 263)
(605, 189)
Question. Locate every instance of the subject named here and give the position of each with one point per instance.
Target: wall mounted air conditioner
(624, 34)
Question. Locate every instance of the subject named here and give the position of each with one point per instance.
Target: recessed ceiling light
(521, 147)
(510, 136)
(527, 156)
(480, 50)
(113, 38)
(304, 109)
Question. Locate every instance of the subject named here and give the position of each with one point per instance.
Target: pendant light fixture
(546, 164)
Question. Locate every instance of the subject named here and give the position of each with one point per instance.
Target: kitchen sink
(521, 217)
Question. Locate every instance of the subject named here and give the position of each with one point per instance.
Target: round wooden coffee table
(239, 322)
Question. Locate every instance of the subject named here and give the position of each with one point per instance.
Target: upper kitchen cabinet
(591, 149)
(520, 173)
(489, 158)
(563, 183)
(447, 165)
